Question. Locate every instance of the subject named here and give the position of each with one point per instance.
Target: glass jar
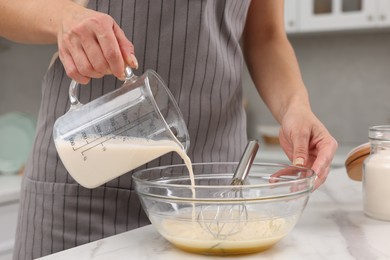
(376, 174)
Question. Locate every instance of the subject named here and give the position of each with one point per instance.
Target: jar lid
(354, 162)
(381, 132)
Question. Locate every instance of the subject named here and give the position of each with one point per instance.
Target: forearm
(36, 21)
(271, 60)
(275, 72)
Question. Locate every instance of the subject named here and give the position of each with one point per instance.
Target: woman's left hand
(307, 142)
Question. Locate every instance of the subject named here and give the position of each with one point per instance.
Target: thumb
(300, 150)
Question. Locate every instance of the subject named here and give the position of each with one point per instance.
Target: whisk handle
(245, 163)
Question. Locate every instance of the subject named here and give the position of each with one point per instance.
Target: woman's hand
(307, 142)
(91, 44)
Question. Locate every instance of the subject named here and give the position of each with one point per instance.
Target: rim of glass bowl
(312, 177)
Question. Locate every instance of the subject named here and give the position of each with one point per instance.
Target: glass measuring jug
(119, 131)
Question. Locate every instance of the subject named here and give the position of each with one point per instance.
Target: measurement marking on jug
(125, 117)
(85, 137)
(99, 130)
(110, 135)
(72, 143)
(101, 143)
(113, 123)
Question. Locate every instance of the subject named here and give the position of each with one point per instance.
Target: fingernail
(299, 161)
(134, 59)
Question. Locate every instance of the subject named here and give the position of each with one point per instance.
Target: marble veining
(96, 248)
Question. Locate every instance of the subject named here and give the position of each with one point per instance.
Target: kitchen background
(343, 51)
(347, 76)
(348, 79)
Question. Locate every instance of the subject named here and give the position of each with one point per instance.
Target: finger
(300, 148)
(95, 56)
(80, 59)
(292, 173)
(126, 47)
(70, 67)
(321, 165)
(71, 44)
(110, 49)
(83, 64)
(321, 178)
(280, 175)
(286, 145)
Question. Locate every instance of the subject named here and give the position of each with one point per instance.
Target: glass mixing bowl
(216, 218)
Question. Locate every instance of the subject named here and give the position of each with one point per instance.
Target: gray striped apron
(194, 46)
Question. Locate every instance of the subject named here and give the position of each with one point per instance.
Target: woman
(194, 46)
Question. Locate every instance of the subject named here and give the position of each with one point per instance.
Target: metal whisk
(222, 221)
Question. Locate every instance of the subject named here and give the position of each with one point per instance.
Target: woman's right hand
(91, 44)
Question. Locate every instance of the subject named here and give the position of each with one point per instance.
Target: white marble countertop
(333, 226)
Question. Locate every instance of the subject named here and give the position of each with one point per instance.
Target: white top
(333, 226)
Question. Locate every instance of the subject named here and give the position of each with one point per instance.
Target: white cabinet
(330, 16)
(302, 16)
(291, 16)
(383, 13)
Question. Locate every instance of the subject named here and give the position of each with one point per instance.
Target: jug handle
(129, 74)
(74, 101)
